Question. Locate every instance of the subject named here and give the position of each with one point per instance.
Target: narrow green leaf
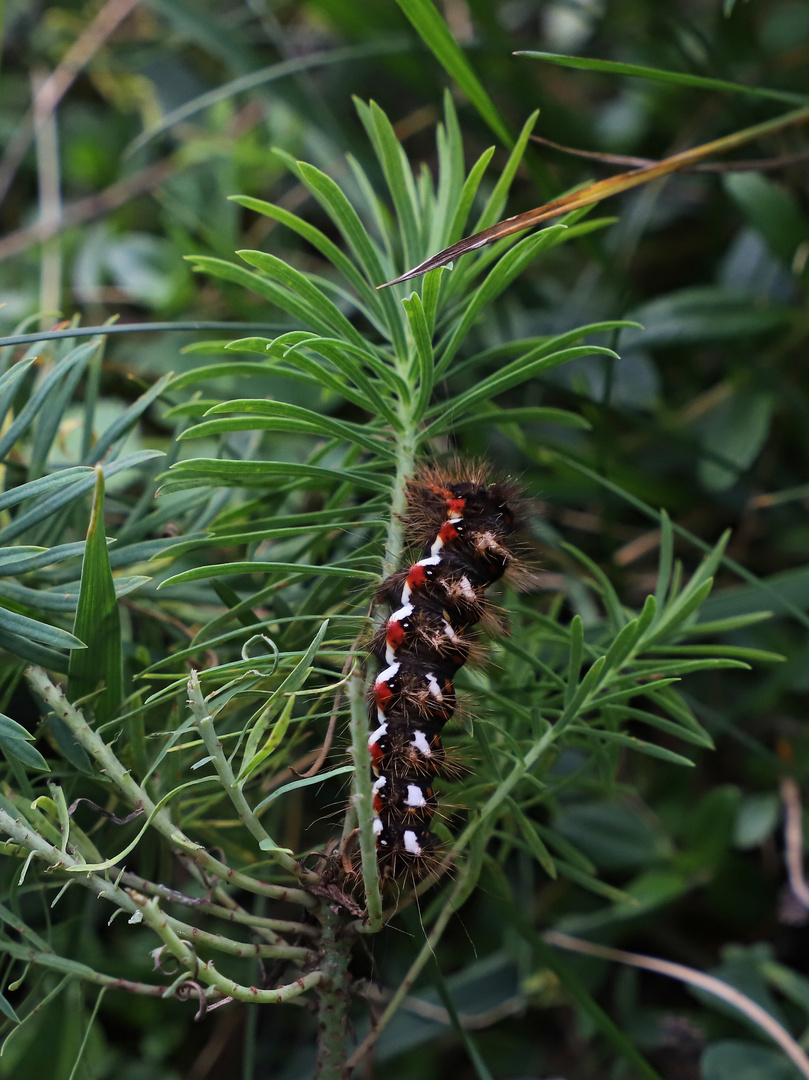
(321, 243)
(348, 222)
(125, 422)
(31, 409)
(279, 295)
(24, 752)
(585, 690)
(622, 645)
(665, 561)
(437, 37)
(398, 174)
(266, 474)
(508, 266)
(423, 361)
(461, 210)
(40, 487)
(317, 422)
(635, 744)
(300, 285)
(534, 841)
(532, 414)
(675, 614)
(306, 781)
(202, 573)
(97, 622)
(254, 757)
(70, 492)
(8, 1011)
(10, 729)
(739, 652)
(692, 733)
(11, 623)
(678, 78)
(512, 375)
(231, 368)
(592, 884)
(724, 626)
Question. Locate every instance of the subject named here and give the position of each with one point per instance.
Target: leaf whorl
(463, 523)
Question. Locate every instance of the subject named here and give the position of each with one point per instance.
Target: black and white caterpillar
(462, 523)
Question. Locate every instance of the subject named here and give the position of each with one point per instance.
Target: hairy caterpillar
(462, 522)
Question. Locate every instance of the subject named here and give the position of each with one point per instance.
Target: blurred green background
(125, 127)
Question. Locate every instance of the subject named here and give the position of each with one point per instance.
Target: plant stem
(109, 765)
(230, 911)
(232, 789)
(407, 442)
(333, 998)
(207, 973)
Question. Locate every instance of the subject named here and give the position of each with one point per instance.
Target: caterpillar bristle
(462, 522)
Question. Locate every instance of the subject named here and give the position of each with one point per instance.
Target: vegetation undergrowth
(184, 599)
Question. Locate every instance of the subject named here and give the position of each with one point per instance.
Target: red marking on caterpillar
(462, 523)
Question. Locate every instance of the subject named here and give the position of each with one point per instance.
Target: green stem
(232, 789)
(207, 973)
(242, 949)
(109, 765)
(407, 443)
(334, 997)
(426, 953)
(229, 910)
(46, 959)
(362, 802)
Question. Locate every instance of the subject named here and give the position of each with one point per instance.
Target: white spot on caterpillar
(404, 612)
(389, 673)
(380, 732)
(415, 797)
(419, 740)
(433, 687)
(378, 826)
(465, 586)
(379, 784)
(411, 844)
(448, 630)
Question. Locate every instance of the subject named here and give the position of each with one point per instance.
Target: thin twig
(427, 1010)
(688, 975)
(50, 202)
(51, 92)
(232, 912)
(793, 838)
(627, 161)
(83, 210)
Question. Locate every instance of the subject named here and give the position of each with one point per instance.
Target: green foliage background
(700, 411)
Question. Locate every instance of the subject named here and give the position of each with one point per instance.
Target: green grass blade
(437, 37)
(97, 622)
(678, 78)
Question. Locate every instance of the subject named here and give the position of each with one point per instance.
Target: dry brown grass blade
(602, 189)
(699, 979)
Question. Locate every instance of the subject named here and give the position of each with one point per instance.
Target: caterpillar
(462, 522)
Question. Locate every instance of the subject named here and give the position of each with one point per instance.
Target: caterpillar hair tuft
(464, 525)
